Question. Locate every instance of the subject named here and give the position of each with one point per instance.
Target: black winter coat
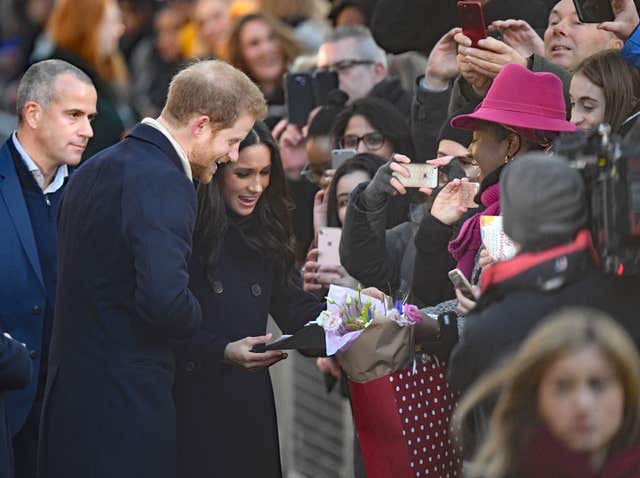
(226, 416)
(509, 310)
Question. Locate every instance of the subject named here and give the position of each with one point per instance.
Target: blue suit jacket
(15, 372)
(22, 290)
(125, 228)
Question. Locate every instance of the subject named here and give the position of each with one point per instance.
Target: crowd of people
(157, 206)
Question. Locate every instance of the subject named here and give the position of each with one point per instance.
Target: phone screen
(594, 11)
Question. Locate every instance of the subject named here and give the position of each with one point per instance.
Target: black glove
(379, 189)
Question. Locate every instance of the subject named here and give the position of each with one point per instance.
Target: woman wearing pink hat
(523, 111)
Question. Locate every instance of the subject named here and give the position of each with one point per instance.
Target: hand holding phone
(329, 246)
(421, 176)
(461, 283)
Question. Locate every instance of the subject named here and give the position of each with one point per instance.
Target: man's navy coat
(124, 239)
(22, 289)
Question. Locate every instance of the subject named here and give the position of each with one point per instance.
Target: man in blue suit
(56, 102)
(124, 240)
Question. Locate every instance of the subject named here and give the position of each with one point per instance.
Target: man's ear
(615, 42)
(32, 113)
(380, 71)
(199, 125)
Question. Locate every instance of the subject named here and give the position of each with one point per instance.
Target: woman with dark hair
(242, 270)
(373, 125)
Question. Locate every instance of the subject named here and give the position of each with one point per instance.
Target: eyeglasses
(373, 141)
(343, 65)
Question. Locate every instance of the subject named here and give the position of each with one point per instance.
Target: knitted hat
(542, 201)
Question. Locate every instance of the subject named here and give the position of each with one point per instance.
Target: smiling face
(211, 148)
(567, 41)
(581, 400)
(244, 182)
(587, 102)
(262, 51)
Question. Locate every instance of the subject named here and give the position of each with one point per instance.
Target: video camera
(611, 171)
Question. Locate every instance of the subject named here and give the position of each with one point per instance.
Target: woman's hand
(384, 184)
(520, 36)
(485, 259)
(448, 206)
(293, 149)
(466, 305)
(329, 366)
(309, 272)
(239, 353)
(336, 275)
(320, 211)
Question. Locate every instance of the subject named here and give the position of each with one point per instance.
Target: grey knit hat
(542, 200)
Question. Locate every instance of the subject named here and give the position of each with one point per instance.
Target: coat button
(218, 288)
(190, 366)
(256, 290)
(35, 310)
(33, 354)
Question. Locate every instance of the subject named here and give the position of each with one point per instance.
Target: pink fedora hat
(521, 99)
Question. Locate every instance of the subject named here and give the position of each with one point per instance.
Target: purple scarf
(464, 248)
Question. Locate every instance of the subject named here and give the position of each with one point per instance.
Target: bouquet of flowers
(349, 312)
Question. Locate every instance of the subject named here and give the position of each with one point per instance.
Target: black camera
(611, 171)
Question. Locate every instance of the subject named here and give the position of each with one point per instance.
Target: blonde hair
(515, 415)
(290, 47)
(215, 89)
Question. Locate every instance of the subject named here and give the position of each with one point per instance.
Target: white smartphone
(422, 176)
(339, 156)
(329, 246)
(468, 192)
(460, 282)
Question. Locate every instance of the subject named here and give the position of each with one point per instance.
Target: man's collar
(61, 173)
(179, 150)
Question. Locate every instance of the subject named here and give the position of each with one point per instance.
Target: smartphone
(298, 93)
(323, 83)
(339, 156)
(594, 11)
(460, 282)
(472, 21)
(329, 246)
(422, 176)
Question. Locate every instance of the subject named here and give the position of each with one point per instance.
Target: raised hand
(478, 81)
(448, 206)
(442, 65)
(491, 57)
(292, 144)
(626, 19)
(520, 36)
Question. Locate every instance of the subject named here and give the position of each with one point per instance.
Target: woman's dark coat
(226, 415)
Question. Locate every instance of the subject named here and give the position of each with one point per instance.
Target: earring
(506, 159)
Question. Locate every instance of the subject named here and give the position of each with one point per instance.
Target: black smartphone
(594, 11)
(323, 83)
(298, 93)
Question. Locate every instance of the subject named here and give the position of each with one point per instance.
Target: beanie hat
(542, 200)
(458, 135)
